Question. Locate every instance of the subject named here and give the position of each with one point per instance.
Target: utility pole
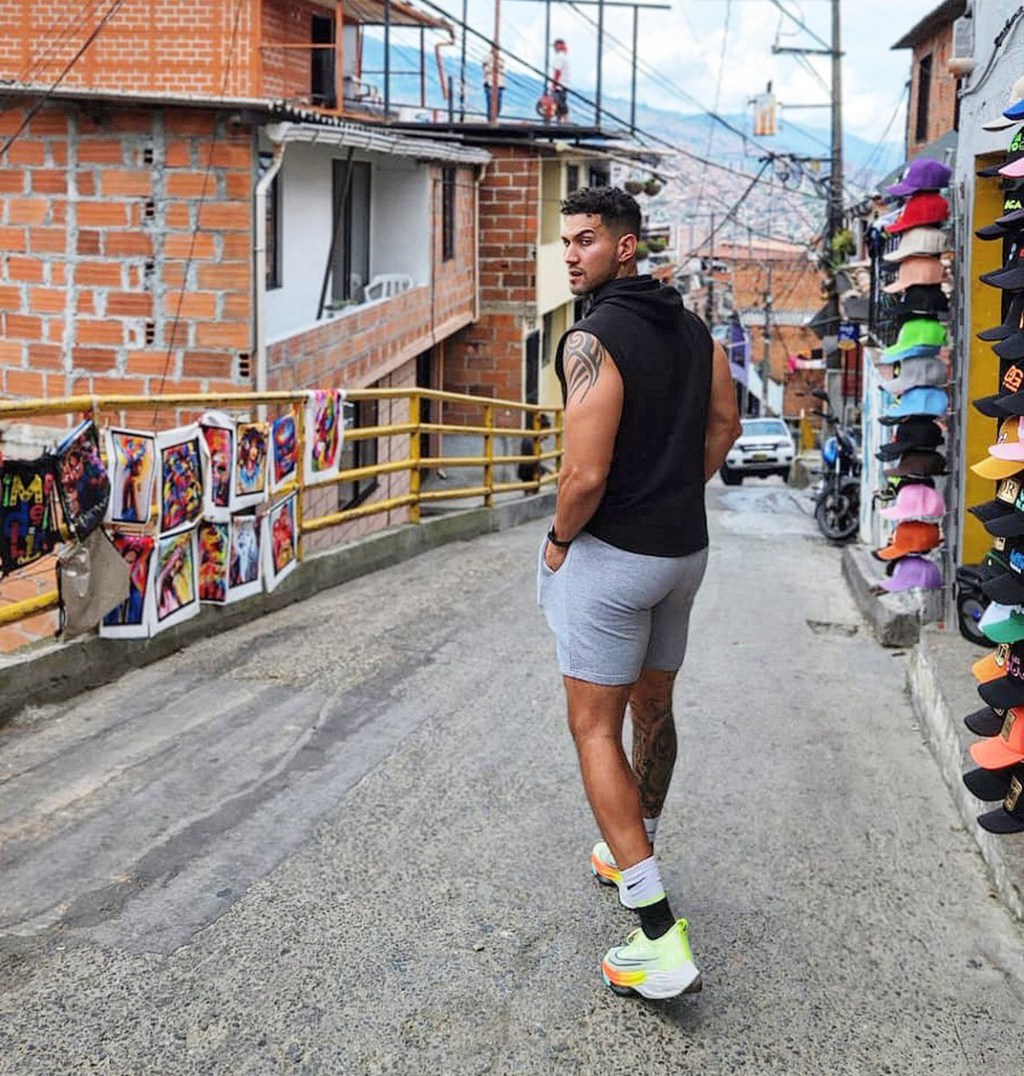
(710, 306)
(835, 201)
(766, 343)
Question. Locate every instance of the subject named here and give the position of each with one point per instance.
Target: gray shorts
(614, 613)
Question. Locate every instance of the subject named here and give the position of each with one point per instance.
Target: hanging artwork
(218, 444)
(284, 449)
(28, 527)
(131, 457)
(280, 542)
(253, 442)
(323, 434)
(133, 618)
(175, 583)
(82, 482)
(181, 479)
(244, 577)
(214, 540)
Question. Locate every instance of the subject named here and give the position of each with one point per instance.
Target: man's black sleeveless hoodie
(653, 502)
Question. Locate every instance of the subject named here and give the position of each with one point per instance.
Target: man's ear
(627, 247)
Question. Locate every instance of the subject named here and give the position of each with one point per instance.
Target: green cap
(918, 332)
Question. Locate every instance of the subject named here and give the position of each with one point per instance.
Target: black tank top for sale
(654, 497)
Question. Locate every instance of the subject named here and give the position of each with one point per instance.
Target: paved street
(350, 838)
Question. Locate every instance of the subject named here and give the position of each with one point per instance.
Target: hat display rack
(915, 381)
(998, 757)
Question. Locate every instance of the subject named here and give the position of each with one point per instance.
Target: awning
(371, 13)
(375, 140)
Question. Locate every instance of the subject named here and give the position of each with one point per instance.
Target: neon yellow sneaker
(661, 968)
(606, 871)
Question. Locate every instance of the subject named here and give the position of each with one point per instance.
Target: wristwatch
(556, 541)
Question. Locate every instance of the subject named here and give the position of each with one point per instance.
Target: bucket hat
(917, 373)
(922, 174)
(918, 241)
(922, 300)
(916, 502)
(1002, 623)
(985, 721)
(911, 536)
(910, 434)
(924, 208)
(1003, 516)
(1014, 151)
(917, 332)
(913, 572)
(990, 786)
(1009, 817)
(922, 400)
(917, 269)
(1012, 323)
(917, 463)
(1001, 122)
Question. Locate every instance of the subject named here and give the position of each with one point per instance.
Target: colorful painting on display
(175, 583)
(323, 434)
(218, 464)
(133, 618)
(214, 540)
(284, 445)
(28, 528)
(82, 482)
(131, 456)
(181, 479)
(253, 442)
(244, 575)
(280, 542)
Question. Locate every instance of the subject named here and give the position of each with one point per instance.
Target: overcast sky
(685, 44)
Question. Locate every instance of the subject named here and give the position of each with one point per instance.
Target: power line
(718, 97)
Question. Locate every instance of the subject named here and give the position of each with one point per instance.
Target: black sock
(656, 919)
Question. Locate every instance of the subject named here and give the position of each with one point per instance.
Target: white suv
(764, 447)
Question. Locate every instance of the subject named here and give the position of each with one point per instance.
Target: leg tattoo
(654, 750)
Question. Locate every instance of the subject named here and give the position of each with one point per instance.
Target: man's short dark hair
(617, 209)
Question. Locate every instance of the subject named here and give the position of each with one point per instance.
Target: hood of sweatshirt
(641, 295)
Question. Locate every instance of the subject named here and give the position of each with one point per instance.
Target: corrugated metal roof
(371, 13)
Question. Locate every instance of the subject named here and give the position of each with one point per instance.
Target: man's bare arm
(723, 415)
(593, 408)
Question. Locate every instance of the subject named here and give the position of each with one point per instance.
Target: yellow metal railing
(190, 405)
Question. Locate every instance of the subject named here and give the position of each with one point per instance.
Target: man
(650, 414)
(494, 83)
(560, 79)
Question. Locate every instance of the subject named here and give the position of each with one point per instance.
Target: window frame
(273, 254)
(924, 92)
(449, 196)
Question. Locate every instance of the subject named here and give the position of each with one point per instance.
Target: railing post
(537, 446)
(489, 456)
(299, 411)
(415, 475)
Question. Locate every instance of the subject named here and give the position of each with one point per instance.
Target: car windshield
(765, 427)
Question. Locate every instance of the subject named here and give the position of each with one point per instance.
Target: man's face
(593, 253)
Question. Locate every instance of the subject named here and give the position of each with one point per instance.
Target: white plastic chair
(386, 285)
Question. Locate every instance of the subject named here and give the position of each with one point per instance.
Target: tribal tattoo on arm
(583, 356)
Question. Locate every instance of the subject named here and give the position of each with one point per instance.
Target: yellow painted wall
(550, 391)
(982, 374)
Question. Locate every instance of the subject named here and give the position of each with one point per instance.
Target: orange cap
(1004, 749)
(910, 536)
(991, 666)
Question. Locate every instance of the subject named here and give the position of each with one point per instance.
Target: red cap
(924, 208)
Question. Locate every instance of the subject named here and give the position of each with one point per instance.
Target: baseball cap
(910, 434)
(1009, 447)
(910, 573)
(1002, 623)
(1001, 404)
(1013, 322)
(922, 299)
(917, 269)
(992, 666)
(1011, 276)
(911, 536)
(1011, 221)
(916, 373)
(887, 363)
(1003, 516)
(1008, 690)
(916, 502)
(999, 123)
(1010, 348)
(917, 464)
(1008, 818)
(1004, 749)
(916, 241)
(922, 174)
(1003, 578)
(1014, 152)
(985, 722)
(917, 332)
(924, 208)
(922, 400)
(990, 785)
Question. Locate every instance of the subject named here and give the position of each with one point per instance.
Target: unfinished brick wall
(941, 92)
(126, 239)
(287, 72)
(486, 359)
(147, 46)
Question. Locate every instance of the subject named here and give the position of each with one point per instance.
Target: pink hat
(1009, 447)
(1013, 170)
(916, 502)
(917, 269)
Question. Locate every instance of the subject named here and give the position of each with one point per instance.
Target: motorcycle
(837, 510)
(971, 603)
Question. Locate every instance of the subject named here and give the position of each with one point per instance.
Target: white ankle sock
(651, 825)
(641, 883)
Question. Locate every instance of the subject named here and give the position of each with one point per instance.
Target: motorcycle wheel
(837, 516)
(969, 609)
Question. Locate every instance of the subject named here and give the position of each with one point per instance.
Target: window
(572, 178)
(322, 63)
(924, 92)
(358, 415)
(448, 189)
(273, 253)
(350, 266)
